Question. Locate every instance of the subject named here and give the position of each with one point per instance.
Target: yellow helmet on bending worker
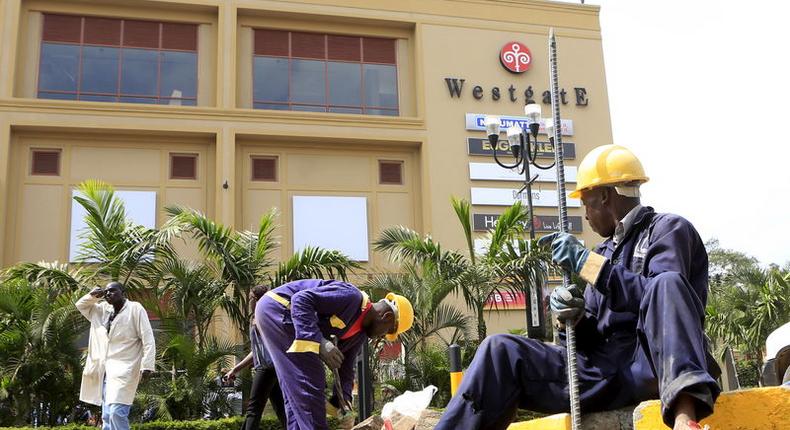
(610, 165)
(404, 314)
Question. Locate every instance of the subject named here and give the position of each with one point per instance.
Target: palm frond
(462, 210)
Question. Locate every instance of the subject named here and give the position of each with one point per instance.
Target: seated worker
(299, 318)
(638, 323)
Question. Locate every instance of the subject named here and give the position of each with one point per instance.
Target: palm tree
(242, 259)
(426, 291)
(116, 248)
(509, 262)
(192, 293)
(41, 369)
(187, 385)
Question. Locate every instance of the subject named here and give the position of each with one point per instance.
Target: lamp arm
(503, 165)
(531, 155)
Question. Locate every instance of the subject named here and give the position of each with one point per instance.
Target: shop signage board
(543, 223)
(506, 300)
(508, 196)
(475, 121)
(494, 172)
(481, 146)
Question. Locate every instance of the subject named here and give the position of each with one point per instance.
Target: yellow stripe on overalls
(278, 298)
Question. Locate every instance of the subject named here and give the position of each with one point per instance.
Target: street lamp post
(524, 150)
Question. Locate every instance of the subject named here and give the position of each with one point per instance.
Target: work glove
(567, 303)
(566, 251)
(330, 354)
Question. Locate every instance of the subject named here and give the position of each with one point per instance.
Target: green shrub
(233, 423)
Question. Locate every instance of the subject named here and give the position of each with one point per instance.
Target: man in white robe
(121, 351)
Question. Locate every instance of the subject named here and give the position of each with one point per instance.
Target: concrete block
(752, 409)
(618, 419)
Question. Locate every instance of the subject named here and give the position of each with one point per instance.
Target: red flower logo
(515, 57)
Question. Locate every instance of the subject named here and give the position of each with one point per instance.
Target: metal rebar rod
(570, 335)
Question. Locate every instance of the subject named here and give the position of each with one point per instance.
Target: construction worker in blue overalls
(298, 321)
(638, 323)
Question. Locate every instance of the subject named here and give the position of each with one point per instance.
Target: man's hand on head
(97, 292)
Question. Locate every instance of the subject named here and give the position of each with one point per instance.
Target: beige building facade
(369, 109)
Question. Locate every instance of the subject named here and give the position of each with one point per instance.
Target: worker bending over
(298, 320)
(638, 323)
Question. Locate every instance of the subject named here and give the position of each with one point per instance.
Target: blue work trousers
(665, 354)
(301, 374)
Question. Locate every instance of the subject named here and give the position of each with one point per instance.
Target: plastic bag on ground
(404, 411)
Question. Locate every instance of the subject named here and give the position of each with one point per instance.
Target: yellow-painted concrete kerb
(755, 409)
(551, 422)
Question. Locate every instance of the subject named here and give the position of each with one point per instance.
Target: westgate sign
(485, 222)
(481, 146)
(456, 88)
(476, 121)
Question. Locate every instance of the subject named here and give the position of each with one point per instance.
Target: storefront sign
(475, 121)
(455, 86)
(508, 196)
(515, 57)
(481, 146)
(506, 300)
(494, 172)
(485, 222)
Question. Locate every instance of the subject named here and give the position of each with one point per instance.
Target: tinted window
(99, 69)
(139, 72)
(59, 65)
(324, 73)
(271, 79)
(178, 74)
(344, 81)
(308, 83)
(102, 59)
(381, 89)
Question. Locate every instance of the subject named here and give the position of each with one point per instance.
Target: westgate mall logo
(515, 57)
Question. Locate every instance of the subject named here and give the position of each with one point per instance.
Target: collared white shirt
(625, 224)
(116, 357)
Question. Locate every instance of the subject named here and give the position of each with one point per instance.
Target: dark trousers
(302, 375)
(264, 387)
(665, 355)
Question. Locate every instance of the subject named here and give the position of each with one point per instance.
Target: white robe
(119, 356)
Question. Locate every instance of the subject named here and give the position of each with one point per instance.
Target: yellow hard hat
(608, 165)
(404, 314)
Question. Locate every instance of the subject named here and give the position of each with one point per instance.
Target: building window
(45, 162)
(264, 169)
(118, 60)
(183, 166)
(324, 73)
(391, 172)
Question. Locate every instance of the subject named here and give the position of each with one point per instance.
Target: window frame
(327, 105)
(57, 151)
(118, 95)
(400, 164)
(274, 158)
(195, 156)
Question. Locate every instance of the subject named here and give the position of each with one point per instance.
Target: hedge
(267, 423)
